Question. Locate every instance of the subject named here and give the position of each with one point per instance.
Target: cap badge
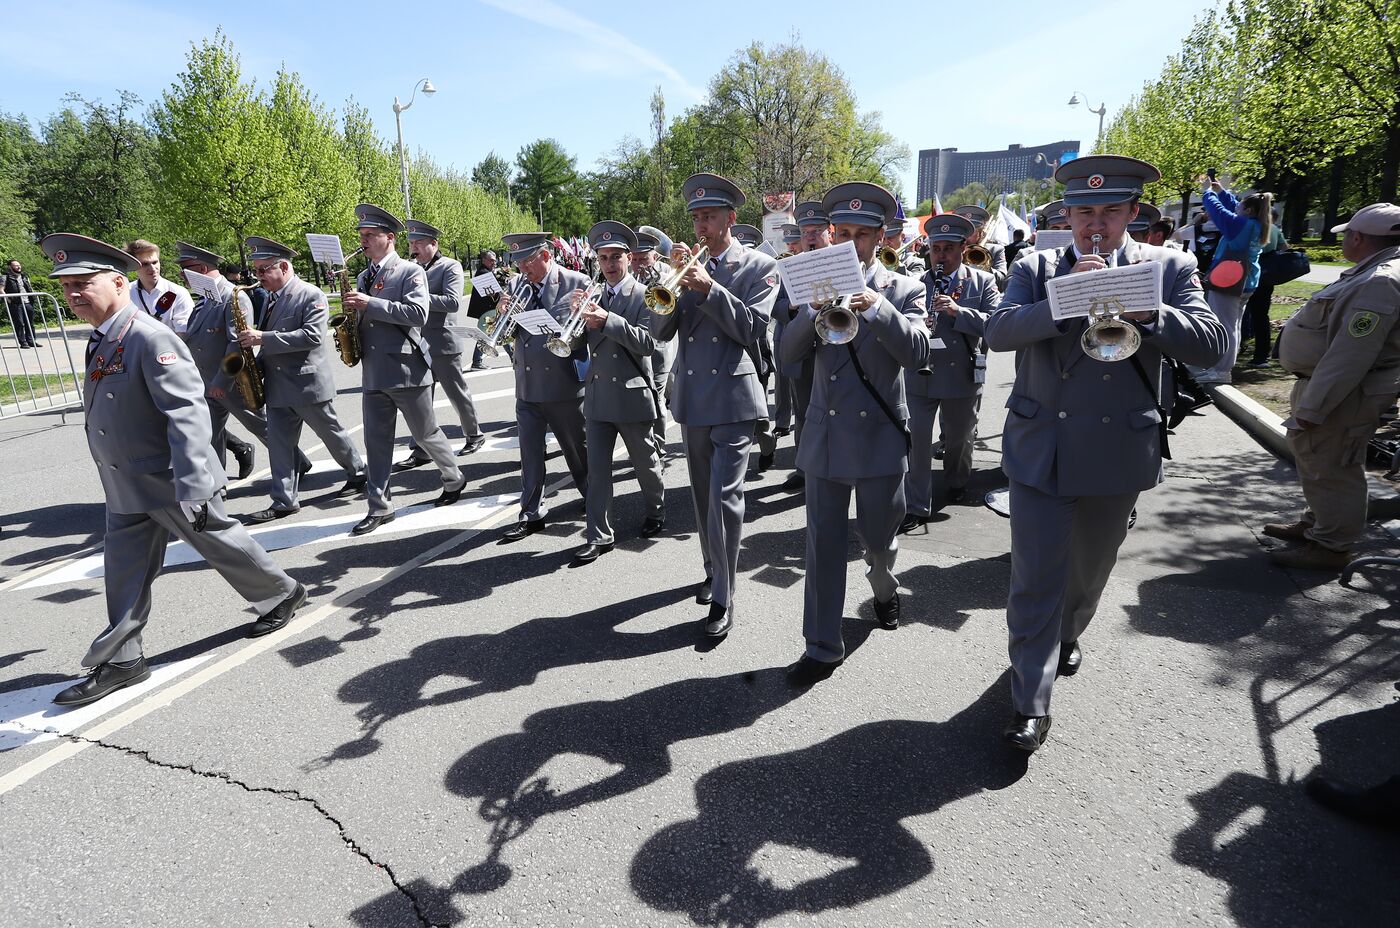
(699, 192)
(855, 204)
(607, 236)
(811, 212)
(60, 256)
(944, 227)
(1095, 181)
(1064, 210)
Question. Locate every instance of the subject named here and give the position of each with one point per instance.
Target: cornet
(661, 297)
(1108, 337)
(836, 324)
(562, 345)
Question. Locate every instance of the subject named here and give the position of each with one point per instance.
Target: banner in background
(777, 210)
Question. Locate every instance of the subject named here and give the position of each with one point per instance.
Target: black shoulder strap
(1156, 402)
(884, 407)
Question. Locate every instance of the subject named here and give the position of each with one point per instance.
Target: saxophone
(241, 365)
(345, 325)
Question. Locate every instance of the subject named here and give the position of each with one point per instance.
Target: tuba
(241, 365)
(345, 325)
(662, 296)
(1108, 337)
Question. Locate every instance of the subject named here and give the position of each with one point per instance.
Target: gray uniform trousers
(565, 419)
(284, 433)
(717, 457)
(641, 449)
(134, 553)
(782, 401)
(447, 373)
(959, 427)
(254, 422)
(381, 409)
(1062, 550)
(880, 509)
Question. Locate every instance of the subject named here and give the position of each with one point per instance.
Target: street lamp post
(428, 91)
(1103, 108)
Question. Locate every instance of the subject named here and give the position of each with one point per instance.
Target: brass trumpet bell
(1109, 338)
(836, 324)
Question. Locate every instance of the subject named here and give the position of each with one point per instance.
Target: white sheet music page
(822, 275)
(325, 249)
(1131, 288)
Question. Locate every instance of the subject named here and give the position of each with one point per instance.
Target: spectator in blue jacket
(1244, 231)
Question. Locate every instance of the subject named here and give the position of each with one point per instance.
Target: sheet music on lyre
(1131, 288)
(822, 275)
(325, 249)
(538, 322)
(1046, 239)
(486, 284)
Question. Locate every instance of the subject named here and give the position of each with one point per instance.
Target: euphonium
(1108, 337)
(661, 297)
(345, 325)
(241, 365)
(563, 344)
(835, 323)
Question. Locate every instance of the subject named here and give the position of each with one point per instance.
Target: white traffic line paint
(276, 537)
(29, 716)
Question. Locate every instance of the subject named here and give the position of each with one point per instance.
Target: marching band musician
(958, 304)
(1083, 437)
(651, 246)
(980, 217)
(620, 397)
(782, 386)
(298, 376)
(211, 337)
(548, 389)
(816, 233)
(1055, 216)
(1142, 224)
(718, 397)
(446, 287)
(856, 439)
(910, 264)
(747, 235)
(765, 434)
(149, 434)
(390, 303)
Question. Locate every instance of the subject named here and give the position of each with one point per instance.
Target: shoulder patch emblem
(771, 280)
(167, 357)
(1362, 324)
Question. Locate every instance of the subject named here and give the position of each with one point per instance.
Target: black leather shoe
(653, 527)
(809, 670)
(269, 514)
(449, 497)
(705, 592)
(523, 528)
(782, 431)
(1070, 659)
(370, 523)
(719, 621)
(304, 468)
(353, 487)
(280, 615)
(472, 446)
(887, 613)
(938, 450)
(245, 455)
(912, 522)
(957, 495)
(1378, 805)
(591, 552)
(101, 680)
(765, 461)
(1027, 732)
(796, 482)
(409, 463)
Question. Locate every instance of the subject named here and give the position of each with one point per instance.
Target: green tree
(493, 175)
(323, 193)
(547, 184)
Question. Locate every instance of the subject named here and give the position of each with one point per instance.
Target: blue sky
(971, 75)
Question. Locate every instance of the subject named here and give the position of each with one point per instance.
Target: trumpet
(661, 297)
(1108, 337)
(562, 345)
(835, 323)
(345, 325)
(889, 257)
(499, 323)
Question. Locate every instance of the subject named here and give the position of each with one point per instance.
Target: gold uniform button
(714, 338)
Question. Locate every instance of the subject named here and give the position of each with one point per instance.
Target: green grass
(22, 384)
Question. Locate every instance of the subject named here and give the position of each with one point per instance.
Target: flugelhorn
(563, 344)
(1108, 337)
(661, 297)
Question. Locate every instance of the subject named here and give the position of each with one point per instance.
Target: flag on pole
(937, 206)
(1007, 222)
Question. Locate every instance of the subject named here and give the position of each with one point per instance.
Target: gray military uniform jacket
(446, 289)
(1082, 427)
(716, 380)
(297, 361)
(960, 366)
(846, 434)
(540, 376)
(391, 338)
(782, 316)
(620, 390)
(147, 424)
(210, 336)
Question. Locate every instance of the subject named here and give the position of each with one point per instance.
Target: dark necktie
(93, 341)
(271, 305)
(372, 273)
(608, 293)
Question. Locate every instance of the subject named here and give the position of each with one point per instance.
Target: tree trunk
(1391, 165)
(1334, 200)
(1295, 212)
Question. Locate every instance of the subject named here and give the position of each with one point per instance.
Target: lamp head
(428, 88)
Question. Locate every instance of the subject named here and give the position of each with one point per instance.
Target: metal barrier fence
(43, 377)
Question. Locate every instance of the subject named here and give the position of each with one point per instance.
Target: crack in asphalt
(281, 793)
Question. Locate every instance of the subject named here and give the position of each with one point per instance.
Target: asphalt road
(456, 732)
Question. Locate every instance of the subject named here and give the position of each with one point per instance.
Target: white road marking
(29, 716)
